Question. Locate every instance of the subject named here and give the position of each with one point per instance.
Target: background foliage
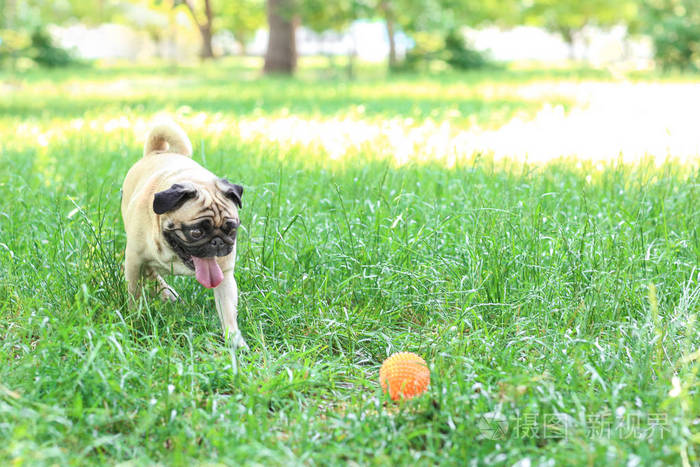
(673, 24)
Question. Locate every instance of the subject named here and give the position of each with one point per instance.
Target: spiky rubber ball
(404, 375)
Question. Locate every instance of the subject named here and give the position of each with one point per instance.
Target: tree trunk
(281, 55)
(350, 70)
(205, 28)
(568, 36)
(242, 39)
(392, 44)
(389, 19)
(352, 55)
(207, 51)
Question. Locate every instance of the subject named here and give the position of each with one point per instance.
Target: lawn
(556, 300)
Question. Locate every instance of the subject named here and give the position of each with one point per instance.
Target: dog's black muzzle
(206, 248)
(217, 246)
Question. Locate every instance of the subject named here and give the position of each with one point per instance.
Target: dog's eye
(196, 233)
(228, 226)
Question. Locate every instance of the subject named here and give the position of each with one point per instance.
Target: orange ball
(404, 375)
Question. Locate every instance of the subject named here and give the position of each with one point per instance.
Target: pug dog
(181, 219)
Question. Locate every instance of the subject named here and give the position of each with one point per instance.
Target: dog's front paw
(236, 339)
(169, 295)
(166, 292)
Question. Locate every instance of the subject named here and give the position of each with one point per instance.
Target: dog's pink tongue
(208, 272)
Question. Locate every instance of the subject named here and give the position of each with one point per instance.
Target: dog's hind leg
(132, 273)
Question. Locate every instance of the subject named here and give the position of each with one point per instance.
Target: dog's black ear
(233, 192)
(172, 198)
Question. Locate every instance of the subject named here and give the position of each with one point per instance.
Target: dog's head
(199, 220)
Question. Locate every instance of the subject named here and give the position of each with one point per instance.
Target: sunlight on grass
(602, 121)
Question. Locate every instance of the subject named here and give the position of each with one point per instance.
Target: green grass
(562, 296)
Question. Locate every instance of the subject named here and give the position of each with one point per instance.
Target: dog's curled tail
(167, 136)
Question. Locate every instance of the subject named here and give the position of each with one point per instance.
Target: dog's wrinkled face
(199, 221)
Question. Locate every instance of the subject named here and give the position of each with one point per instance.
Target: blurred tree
(282, 20)
(674, 26)
(440, 17)
(203, 17)
(7, 13)
(568, 17)
(459, 55)
(243, 18)
(23, 29)
(94, 12)
(436, 24)
(321, 15)
(332, 18)
(91, 12)
(155, 17)
(413, 17)
(45, 53)
(387, 9)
